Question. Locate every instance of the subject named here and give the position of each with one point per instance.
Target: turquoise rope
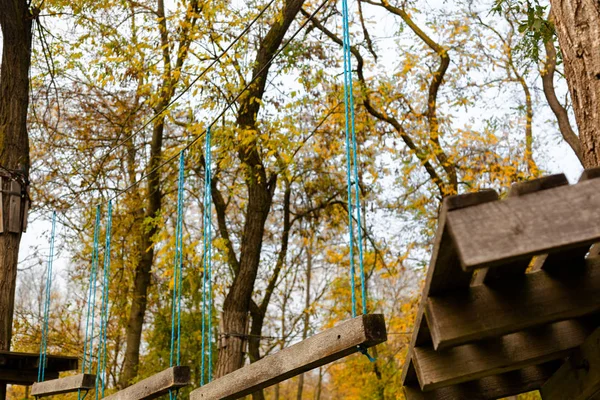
(175, 355)
(44, 344)
(207, 275)
(352, 169)
(101, 366)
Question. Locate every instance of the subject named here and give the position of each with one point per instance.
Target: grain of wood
(437, 369)
(490, 388)
(491, 234)
(579, 377)
(14, 208)
(537, 299)
(323, 348)
(155, 386)
(67, 384)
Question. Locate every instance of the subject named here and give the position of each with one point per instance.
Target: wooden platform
(323, 348)
(155, 386)
(512, 291)
(22, 368)
(67, 384)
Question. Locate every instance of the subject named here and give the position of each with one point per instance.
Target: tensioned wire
(175, 353)
(101, 365)
(228, 107)
(44, 343)
(207, 272)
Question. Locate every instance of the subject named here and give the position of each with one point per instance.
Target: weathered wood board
(437, 369)
(323, 348)
(547, 221)
(579, 376)
(22, 368)
(155, 386)
(63, 385)
(536, 299)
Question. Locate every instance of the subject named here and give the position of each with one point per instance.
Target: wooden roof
(512, 291)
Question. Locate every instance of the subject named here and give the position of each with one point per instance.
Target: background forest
(451, 97)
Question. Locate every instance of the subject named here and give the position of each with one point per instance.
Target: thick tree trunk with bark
(578, 28)
(16, 23)
(260, 195)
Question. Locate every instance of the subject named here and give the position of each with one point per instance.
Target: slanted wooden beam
(547, 221)
(437, 369)
(491, 387)
(444, 274)
(323, 348)
(63, 385)
(579, 377)
(536, 299)
(155, 386)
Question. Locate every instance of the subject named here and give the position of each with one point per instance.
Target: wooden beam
(14, 210)
(444, 273)
(437, 369)
(579, 377)
(63, 385)
(15, 361)
(323, 348)
(548, 221)
(491, 387)
(23, 377)
(537, 298)
(155, 386)
(516, 268)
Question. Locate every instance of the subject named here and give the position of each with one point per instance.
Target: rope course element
(354, 207)
(175, 354)
(207, 275)
(101, 366)
(44, 343)
(88, 342)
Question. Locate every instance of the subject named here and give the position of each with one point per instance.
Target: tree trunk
(16, 22)
(578, 28)
(260, 194)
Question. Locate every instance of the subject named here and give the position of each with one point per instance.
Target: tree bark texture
(260, 194)
(16, 22)
(578, 27)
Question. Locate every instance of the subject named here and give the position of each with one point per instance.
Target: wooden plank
(579, 377)
(15, 361)
(155, 386)
(517, 268)
(323, 348)
(23, 377)
(436, 369)
(490, 388)
(557, 219)
(444, 273)
(536, 299)
(63, 385)
(14, 208)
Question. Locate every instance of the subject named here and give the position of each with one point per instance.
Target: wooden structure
(155, 386)
(67, 384)
(512, 291)
(22, 368)
(14, 203)
(340, 341)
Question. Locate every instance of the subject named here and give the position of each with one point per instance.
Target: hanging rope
(207, 275)
(352, 173)
(44, 343)
(175, 356)
(101, 366)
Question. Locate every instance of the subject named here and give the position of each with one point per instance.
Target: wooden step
(155, 385)
(67, 384)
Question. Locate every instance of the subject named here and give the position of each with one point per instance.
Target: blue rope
(352, 172)
(44, 344)
(175, 355)
(207, 275)
(101, 366)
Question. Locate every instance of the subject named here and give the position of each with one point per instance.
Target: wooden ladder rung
(155, 385)
(323, 348)
(67, 384)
